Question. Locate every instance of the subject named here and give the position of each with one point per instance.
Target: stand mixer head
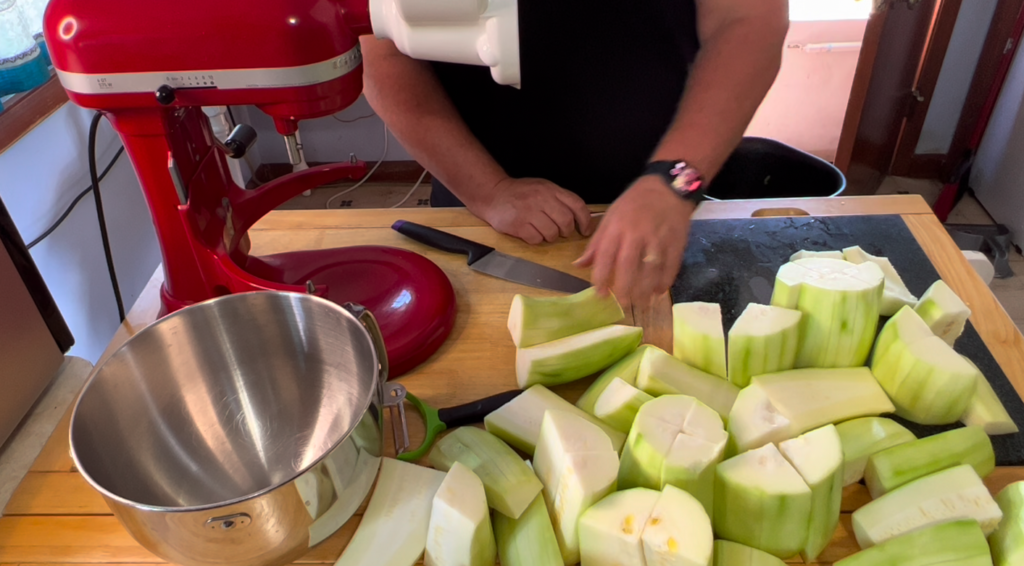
(151, 69)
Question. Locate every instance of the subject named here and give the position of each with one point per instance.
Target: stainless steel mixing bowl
(239, 431)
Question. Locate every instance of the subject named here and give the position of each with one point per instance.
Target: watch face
(685, 179)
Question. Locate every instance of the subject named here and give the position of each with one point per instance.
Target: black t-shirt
(601, 81)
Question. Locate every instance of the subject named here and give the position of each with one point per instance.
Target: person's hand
(638, 248)
(533, 210)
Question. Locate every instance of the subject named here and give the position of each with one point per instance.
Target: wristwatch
(684, 179)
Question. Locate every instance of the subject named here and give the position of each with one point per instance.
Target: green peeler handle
(434, 427)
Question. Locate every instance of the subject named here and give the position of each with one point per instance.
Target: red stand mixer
(151, 68)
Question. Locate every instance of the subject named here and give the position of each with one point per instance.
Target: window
(28, 91)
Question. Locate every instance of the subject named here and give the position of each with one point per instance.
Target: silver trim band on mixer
(232, 79)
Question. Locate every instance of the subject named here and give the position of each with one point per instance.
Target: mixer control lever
(165, 95)
(238, 141)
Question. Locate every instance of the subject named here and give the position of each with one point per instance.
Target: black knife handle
(475, 412)
(442, 240)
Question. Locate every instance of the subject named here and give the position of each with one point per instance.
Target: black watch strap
(682, 178)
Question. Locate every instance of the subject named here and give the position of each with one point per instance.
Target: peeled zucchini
(866, 436)
(764, 339)
(510, 485)
(895, 295)
(518, 421)
(662, 374)
(619, 403)
(840, 302)
(728, 553)
(900, 465)
(678, 532)
(574, 357)
(818, 457)
(675, 440)
(906, 327)
(956, 543)
(534, 320)
(1008, 540)
(460, 533)
(624, 369)
(578, 467)
(698, 337)
(393, 531)
(943, 311)
(807, 254)
(610, 531)
(927, 381)
(986, 410)
(955, 493)
(528, 540)
(761, 501)
(782, 405)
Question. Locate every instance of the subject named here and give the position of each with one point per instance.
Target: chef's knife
(486, 259)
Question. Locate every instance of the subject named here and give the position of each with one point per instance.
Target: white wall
(955, 77)
(998, 173)
(326, 139)
(39, 176)
(807, 104)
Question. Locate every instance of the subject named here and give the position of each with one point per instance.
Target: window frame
(27, 110)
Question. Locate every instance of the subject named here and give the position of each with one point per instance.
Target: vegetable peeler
(437, 421)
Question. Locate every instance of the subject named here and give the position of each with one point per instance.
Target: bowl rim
(363, 408)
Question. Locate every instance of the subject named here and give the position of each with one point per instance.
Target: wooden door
(891, 56)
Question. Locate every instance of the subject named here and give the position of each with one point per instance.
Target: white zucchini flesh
(764, 339)
(350, 492)
(619, 403)
(902, 464)
(529, 540)
(728, 553)
(578, 467)
(610, 530)
(763, 502)
(459, 532)
(895, 294)
(986, 410)
(956, 543)
(955, 493)
(509, 483)
(866, 436)
(536, 320)
(661, 374)
(393, 531)
(780, 406)
(818, 457)
(808, 254)
(944, 312)
(574, 357)
(678, 531)
(1008, 540)
(840, 302)
(624, 369)
(698, 337)
(675, 440)
(928, 382)
(518, 421)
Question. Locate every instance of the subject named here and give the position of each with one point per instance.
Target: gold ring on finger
(651, 258)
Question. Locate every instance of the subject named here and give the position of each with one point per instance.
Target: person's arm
(407, 95)
(638, 248)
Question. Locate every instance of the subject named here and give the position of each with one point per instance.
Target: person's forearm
(407, 95)
(736, 66)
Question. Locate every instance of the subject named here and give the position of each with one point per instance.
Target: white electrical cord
(412, 190)
(368, 175)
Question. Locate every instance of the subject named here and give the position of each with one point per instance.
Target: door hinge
(1009, 46)
(917, 95)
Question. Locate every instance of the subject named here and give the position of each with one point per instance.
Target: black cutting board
(733, 263)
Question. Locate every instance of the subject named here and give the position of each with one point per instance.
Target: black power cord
(74, 203)
(94, 178)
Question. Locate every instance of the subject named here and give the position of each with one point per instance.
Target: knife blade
(486, 259)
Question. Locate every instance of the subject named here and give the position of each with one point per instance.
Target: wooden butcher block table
(56, 518)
